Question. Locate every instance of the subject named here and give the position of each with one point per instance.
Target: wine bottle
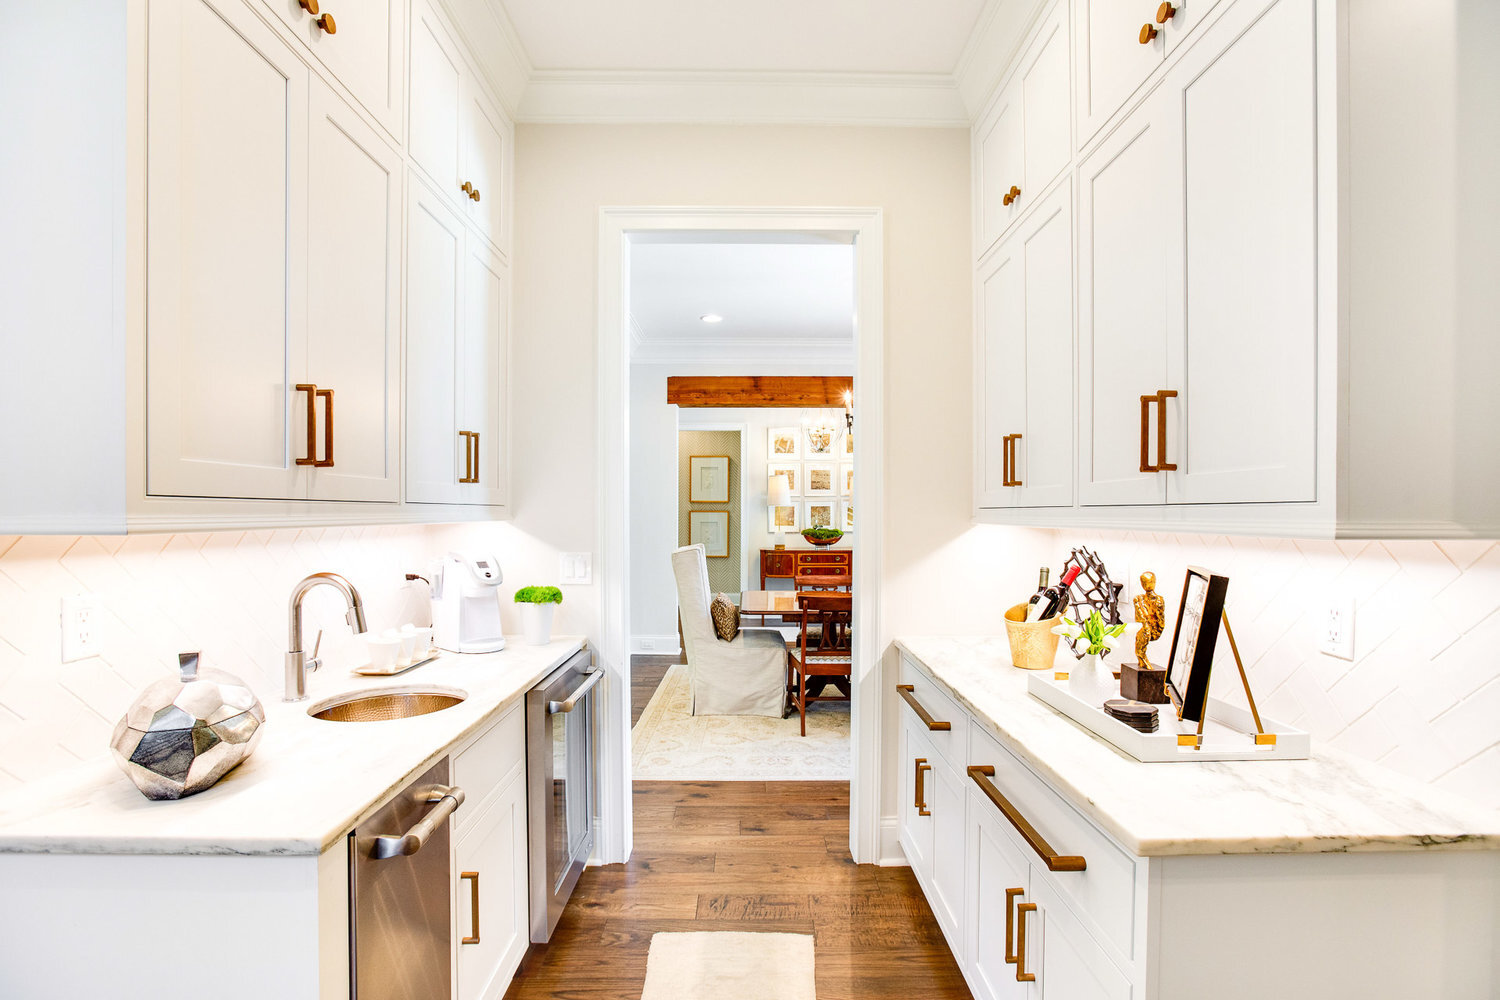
(1034, 605)
(1054, 599)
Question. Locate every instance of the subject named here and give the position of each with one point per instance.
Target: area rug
(729, 965)
(670, 744)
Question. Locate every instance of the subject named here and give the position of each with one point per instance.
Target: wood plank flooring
(745, 856)
(646, 673)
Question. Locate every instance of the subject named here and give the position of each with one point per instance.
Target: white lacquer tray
(1228, 732)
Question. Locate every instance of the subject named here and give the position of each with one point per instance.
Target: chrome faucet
(298, 664)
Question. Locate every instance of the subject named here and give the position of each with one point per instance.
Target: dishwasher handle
(447, 799)
(558, 707)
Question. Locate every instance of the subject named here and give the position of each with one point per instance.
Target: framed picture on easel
(1193, 641)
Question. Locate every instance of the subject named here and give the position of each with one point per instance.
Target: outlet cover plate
(1337, 634)
(80, 628)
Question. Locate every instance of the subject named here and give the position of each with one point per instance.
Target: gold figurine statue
(1151, 612)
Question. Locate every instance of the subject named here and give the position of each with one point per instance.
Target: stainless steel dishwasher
(560, 803)
(401, 921)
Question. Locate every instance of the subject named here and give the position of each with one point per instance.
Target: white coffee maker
(466, 604)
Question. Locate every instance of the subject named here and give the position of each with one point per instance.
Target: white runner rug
(729, 965)
(668, 744)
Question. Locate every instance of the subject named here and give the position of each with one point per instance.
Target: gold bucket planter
(1033, 645)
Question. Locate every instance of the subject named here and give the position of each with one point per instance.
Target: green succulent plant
(821, 533)
(538, 595)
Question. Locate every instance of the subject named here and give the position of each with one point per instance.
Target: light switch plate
(80, 632)
(1337, 637)
(576, 567)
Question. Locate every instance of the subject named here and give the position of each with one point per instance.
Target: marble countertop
(307, 785)
(1331, 802)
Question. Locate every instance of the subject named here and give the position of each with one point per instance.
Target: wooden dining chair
(823, 651)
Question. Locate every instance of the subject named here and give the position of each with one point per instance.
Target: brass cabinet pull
(1165, 12)
(1148, 32)
(474, 442)
(311, 457)
(982, 773)
(922, 768)
(311, 6)
(1009, 472)
(327, 460)
(1011, 196)
(1160, 399)
(1022, 976)
(474, 194)
(473, 878)
(905, 691)
(469, 475)
(1010, 930)
(467, 188)
(1146, 465)
(326, 23)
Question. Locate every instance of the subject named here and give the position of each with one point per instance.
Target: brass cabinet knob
(1148, 32)
(326, 23)
(1011, 196)
(467, 188)
(1165, 12)
(474, 194)
(311, 6)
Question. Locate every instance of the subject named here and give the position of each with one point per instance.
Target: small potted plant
(537, 607)
(822, 536)
(1093, 681)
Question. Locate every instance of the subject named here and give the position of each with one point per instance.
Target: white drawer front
(1103, 895)
(485, 765)
(951, 743)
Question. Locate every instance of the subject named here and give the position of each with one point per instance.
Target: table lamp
(779, 494)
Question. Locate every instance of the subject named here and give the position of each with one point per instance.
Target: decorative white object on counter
(1228, 732)
(182, 734)
(1091, 681)
(537, 619)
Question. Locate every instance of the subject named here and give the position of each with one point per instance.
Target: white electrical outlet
(1338, 630)
(575, 567)
(80, 634)
(648, 644)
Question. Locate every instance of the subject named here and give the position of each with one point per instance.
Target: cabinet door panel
(994, 865)
(1044, 458)
(437, 81)
(1246, 279)
(1066, 960)
(946, 797)
(999, 167)
(487, 166)
(915, 829)
(494, 850)
(483, 370)
(1000, 392)
(1047, 102)
(435, 457)
(226, 190)
(1111, 61)
(1190, 13)
(364, 53)
(353, 300)
(1124, 204)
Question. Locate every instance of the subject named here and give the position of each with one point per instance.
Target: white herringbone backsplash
(1423, 693)
(224, 593)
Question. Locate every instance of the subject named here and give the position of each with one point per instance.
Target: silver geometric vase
(182, 735)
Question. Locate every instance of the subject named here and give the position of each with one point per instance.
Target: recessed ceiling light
(712, 318)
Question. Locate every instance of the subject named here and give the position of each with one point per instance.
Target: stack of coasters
(1135, 714)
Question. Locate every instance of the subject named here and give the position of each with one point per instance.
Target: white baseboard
(655, 645)
(891, 854)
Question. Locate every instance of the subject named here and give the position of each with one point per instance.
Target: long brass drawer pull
(311, 458)
(1010, 924)
(1146, 465)
(471, 455)
(1022, 976)
(1162, 465)
(921, 782)
(906, 692)
(327, 460)
(982, 773)
(473, 878)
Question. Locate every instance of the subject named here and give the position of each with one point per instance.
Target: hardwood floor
(745, 856)
(646, 673)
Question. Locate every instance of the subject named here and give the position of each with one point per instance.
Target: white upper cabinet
(362, 45)
(487, 142)
(1024, 140)
(226, 313)
(483, 373)
(353, 303)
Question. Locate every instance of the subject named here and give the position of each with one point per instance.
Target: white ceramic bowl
(384, 653)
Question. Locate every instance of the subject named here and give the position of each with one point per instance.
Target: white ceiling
(781, 303)
(841, 36)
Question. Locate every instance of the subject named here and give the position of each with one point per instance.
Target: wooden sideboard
(793, 564)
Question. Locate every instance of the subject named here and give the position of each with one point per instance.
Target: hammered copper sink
(383, 706)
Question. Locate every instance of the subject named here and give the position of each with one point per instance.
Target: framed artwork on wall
(846, 479)
(819, 479)
(708, 478)
(1193, 641)
(784, 518)
(710, 528)
(783, 443)
(846, 516)
(820, 441)
(792, 471)
(821, 515)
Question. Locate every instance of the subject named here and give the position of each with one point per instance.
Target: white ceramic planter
(1090, 680)
(537, 620)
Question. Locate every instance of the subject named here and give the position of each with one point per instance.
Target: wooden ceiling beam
(791, 391)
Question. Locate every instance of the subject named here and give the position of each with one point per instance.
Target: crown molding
(700, 97)
(491, 41)
(996, 41)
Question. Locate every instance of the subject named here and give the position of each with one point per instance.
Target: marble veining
(1329, 803)
(308, 784)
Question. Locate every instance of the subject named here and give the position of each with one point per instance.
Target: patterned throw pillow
(726, 618)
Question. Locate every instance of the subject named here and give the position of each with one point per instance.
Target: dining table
(767, 603)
